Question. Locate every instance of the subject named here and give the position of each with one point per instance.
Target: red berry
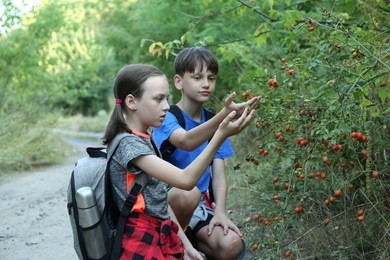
(271, 82)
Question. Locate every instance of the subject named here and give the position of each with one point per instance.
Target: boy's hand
(230, 105)
(225, 223)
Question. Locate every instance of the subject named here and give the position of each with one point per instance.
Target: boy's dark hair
(189, 58)
(129, 80)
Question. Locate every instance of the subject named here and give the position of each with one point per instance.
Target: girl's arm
(187, 178)
(190, 140)
(190, 252)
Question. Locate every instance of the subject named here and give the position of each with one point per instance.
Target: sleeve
(225, 150)
(129, 148)
(163, 132)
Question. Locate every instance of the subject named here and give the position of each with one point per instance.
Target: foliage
(322, 70)
(48, 64)
(52, 64)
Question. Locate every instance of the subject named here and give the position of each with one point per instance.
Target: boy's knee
(230, 247)
(184, 202)
(191, 197)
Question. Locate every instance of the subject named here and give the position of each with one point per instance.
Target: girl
(141, 93)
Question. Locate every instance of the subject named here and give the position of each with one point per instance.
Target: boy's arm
(220, 187)
(192, 139)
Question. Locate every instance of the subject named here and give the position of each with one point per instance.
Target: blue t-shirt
(182, 158)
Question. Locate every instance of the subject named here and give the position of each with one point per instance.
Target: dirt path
(34, 223)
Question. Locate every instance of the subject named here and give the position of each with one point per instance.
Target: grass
(84, 124)
(27, 144)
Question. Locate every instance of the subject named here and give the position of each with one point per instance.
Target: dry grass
(26, 145)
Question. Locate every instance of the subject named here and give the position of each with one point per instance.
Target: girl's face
(198, 86)
(153, 105)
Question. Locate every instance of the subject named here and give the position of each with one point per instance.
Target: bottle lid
(85, 198)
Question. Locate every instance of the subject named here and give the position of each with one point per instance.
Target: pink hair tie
(118, 101)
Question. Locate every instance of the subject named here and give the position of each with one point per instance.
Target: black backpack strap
(137, 186)
(96, 152)
(176, 111)
(167, 148)
(209, 114)
(72, 206)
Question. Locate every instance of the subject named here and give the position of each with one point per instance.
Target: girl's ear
(177, 79)
(131, 103)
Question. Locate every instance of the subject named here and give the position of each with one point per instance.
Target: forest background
(310, 179)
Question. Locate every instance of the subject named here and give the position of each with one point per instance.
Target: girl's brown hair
(129, 80)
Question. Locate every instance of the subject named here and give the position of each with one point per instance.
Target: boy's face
(198, 86)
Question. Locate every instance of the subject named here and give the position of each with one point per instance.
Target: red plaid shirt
(146, 237)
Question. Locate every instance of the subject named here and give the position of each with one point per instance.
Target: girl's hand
(239, 107)
(229, 128)
(191, 253)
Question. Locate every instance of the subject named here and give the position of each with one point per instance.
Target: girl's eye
(161, 99)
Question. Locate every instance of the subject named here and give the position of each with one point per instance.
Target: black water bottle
(89, 217)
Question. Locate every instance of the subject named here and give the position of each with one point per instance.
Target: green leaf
(383, 94)
(366, 102)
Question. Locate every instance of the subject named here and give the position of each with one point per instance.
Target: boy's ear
(178, 82)
(130, 101)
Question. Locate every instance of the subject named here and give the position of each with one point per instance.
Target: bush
(319, 152)
(29, 144)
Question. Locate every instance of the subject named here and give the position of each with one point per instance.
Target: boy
(210, 230)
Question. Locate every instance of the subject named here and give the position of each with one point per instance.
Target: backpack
(167, 149)
(102, 240)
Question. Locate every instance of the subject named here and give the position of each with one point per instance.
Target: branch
(210, 16)
(260, 13)
(237, 40)
(271, 20)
